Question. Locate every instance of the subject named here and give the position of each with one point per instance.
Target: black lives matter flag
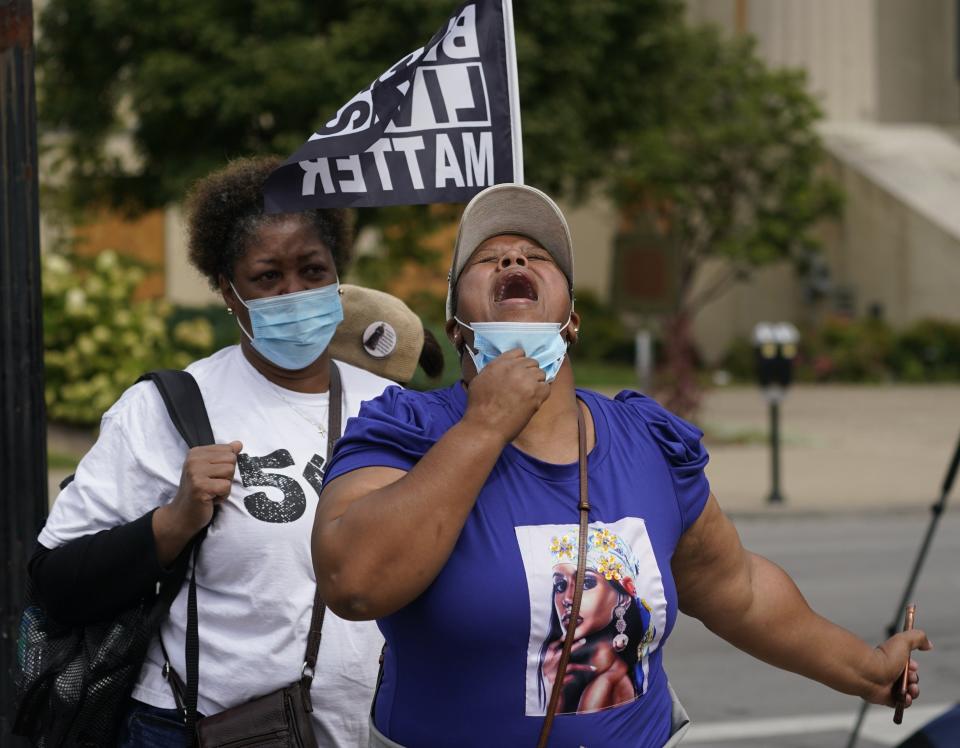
(438, 126)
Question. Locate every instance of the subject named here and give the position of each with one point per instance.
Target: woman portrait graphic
(613, 630)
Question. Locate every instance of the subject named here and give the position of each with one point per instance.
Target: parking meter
(775, 346)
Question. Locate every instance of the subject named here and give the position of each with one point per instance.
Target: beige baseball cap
(379, 333)
(511, 209)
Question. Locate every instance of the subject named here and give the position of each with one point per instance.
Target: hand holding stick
(907, 626)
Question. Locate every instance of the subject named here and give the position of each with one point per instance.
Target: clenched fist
(890, 659)
(504, 396)
(204, 482)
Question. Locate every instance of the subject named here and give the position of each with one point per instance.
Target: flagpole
(516, 131)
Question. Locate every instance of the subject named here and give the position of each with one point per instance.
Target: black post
(775, 496)
(936, 511)
(23, 448)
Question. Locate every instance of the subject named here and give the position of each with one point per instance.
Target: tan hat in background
(511, 209)
(379, 333)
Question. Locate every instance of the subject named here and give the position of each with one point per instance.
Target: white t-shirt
(255, 579)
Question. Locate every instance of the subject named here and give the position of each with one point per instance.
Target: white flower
(106, 260)
(86, 345)
(75, 301)
(100, 334)
(94, 285)
(55, 263)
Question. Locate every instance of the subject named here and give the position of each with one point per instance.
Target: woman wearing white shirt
(139, 495)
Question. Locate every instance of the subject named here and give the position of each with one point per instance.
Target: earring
(229, 310)
(621, 640)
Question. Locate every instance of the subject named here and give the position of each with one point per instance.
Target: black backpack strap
(185, 406)
(184, 403)
(192, 646)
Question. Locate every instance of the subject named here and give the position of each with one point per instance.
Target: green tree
(194, 83)
(731, 170)
(680, 122)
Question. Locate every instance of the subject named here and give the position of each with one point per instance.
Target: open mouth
(514, 286)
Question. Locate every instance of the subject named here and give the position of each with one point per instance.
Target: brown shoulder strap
(335, 414)
(584, 507)
(334, 423)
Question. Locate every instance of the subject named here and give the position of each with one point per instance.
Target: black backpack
(73, 682)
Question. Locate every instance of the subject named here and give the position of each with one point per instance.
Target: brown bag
(281, 718)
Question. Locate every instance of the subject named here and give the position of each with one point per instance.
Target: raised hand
(504, 396)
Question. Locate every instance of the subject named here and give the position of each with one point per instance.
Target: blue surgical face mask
(540, 341)
(291, 330)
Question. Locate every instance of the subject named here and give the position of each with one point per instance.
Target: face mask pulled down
(292, 330)
(540, 341)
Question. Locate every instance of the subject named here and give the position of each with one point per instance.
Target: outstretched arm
(755, 605)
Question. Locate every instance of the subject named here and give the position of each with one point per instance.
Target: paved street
(852, 569)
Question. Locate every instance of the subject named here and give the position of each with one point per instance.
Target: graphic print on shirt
(622, 617)
(294, 502)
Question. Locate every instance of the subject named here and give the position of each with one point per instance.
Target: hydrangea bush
(98, 340)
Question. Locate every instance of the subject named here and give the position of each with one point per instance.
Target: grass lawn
(599, 375)
(57, 460)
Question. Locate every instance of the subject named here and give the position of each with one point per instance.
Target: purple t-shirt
(471, 661)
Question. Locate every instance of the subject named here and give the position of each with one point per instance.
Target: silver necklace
(319, 427)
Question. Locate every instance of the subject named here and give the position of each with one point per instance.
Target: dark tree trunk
(680, 388)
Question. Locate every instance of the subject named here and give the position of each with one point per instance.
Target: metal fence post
(23, 450)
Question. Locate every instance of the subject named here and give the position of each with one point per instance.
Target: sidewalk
(65, 441)
(844, 448)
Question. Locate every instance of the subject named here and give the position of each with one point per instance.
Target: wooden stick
(907, 625)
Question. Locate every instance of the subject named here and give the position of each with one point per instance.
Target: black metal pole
(775, 496)
(936, 510)
(23, 446)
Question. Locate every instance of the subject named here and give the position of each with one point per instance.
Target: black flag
(437, 127)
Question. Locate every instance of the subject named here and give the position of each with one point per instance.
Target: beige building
(887, 75)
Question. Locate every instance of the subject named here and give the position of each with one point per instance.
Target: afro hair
(225, 209)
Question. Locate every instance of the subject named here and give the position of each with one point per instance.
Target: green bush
(98, 340)
(191, 325)
(928, 351)
(739, 361)
(845, 350)
(603, 336)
